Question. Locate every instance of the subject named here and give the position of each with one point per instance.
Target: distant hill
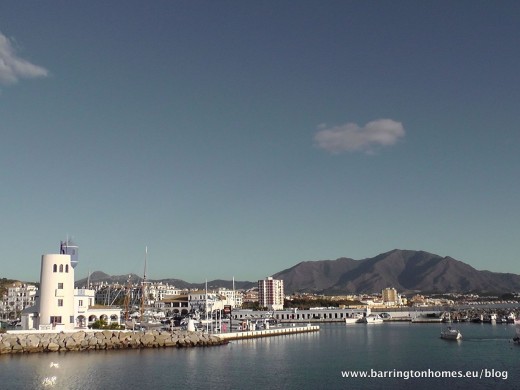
(99, 276)
(406, 270)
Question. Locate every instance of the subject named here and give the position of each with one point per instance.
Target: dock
(250, 334)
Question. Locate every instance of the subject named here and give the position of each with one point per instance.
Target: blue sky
(239, 138)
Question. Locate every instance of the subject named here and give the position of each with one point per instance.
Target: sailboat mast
(128, 291)
(143, 286)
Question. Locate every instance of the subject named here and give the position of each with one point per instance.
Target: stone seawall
(102, 340)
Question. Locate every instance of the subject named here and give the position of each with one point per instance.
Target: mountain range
(406, 270)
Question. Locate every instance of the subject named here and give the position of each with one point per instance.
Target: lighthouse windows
(60, 302)
(54, 268)
(61, 267)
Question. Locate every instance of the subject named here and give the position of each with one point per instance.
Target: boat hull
(451, 334)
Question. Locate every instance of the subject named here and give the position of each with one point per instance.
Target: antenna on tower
(68, 247)
(144, 298)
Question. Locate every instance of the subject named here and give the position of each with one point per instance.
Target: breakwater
(268, 332)
(29, 342)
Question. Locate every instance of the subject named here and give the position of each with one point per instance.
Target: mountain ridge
(406, 270)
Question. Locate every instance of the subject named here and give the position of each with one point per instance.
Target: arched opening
(61, 267)
(81, 322)
(54, 268)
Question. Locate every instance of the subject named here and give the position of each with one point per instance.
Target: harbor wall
(32, 342)
(268, 332)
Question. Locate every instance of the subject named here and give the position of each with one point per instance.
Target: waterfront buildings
(391, 297)
(233, 298)
(17, 297)
(270, 293)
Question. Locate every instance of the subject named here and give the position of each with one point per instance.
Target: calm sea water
(303, 361)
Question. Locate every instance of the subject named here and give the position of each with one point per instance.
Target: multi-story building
(18, 297)
(270, 293)
(174, 305)
(204, 301)
(158, 291)
(234, 298)
(250, 296)
(390, 296)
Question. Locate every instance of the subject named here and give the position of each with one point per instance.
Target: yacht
(355, 318)
(372, 319)
(451, 334)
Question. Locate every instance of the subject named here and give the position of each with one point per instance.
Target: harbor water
(395, 355)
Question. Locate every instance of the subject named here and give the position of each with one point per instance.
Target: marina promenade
(390, 314)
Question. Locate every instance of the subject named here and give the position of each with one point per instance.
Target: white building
(18, 297)
(270, 293)
(159, 291)
(203, 301)
(232, 297)
(58, 305)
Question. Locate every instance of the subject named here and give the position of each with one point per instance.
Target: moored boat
(354, 319)
(372, 319)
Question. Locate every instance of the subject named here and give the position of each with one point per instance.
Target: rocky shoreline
(103, 340)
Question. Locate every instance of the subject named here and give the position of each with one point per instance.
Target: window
(55, 320)
(66, 268)
(71, 319)
(61, 267)
(60, 286)
(60, 302)
(80, 303)
(54, 268)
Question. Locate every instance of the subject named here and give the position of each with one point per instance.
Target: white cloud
(350, 137)
(12, 67)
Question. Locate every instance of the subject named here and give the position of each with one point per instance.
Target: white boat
(372, 319)
(451, 334)
(354, 319)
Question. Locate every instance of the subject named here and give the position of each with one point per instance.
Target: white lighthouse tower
(57, 288)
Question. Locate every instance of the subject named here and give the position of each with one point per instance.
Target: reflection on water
(309, 360)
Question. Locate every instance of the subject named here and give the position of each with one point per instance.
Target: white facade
(270, 293)
(18, 297)
(158, 291)
(233, 297)
(58, 305)
(56, 293)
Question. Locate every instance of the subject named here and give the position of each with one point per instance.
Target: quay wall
(31, 342)
(268, 332)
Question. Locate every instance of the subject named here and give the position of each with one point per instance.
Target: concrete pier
(268, 332)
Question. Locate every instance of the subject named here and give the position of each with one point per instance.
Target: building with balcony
(270, 293)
